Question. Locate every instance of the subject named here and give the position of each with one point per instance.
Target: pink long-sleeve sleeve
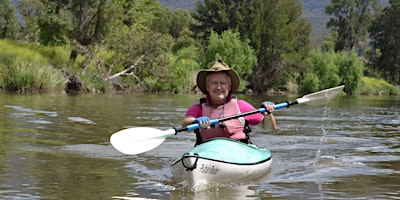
(254, 119)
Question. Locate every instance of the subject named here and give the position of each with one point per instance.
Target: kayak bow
(222, 160)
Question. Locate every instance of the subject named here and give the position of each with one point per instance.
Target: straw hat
(218, 66)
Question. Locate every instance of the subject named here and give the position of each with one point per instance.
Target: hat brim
(202, 75)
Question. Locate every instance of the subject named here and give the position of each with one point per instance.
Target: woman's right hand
(203, 121)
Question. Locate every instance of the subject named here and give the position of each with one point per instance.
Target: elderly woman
(218, 84)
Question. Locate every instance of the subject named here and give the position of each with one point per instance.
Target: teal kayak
(222, 160)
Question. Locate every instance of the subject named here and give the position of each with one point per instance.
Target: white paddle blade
(138, 140)
(322, 97)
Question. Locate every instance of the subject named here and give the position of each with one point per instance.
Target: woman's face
(218, 85)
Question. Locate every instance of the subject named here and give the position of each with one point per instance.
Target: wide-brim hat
(218, 66)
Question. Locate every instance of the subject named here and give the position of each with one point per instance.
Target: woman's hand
(269, 106)
(203, 121)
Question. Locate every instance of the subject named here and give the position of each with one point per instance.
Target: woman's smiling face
(218, 85)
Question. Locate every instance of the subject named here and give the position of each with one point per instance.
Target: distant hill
(178, 4)
(313, 10)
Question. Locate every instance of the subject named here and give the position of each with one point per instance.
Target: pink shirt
(195, 111)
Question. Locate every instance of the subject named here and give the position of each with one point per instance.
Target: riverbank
(28, 68)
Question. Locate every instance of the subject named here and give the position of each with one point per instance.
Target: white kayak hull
(200, 166)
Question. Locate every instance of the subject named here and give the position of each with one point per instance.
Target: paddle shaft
(129, 143)
(192, 127)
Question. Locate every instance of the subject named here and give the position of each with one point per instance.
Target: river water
(54, 146)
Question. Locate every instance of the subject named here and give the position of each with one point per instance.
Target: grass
(23, 69)
(374, 86)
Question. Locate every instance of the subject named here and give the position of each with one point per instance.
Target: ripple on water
(28, 111)
(80, 119)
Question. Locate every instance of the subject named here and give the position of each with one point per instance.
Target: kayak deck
(231, 151)
(222, 160)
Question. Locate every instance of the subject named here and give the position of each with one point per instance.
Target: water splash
(324, 123)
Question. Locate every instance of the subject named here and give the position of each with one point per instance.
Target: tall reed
(25, 70)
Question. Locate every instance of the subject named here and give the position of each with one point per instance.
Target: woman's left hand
(269, 106)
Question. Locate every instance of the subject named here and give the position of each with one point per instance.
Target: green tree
(183, 70)
(8, 20)
(47, 22)
(330, 69)
(221, 15)
(89, 25)
(31, 11)
(54, 27)
(233, 50)
(80, 23)
(351, 19)
(351, 69)
(276, 30)
(135, 34)
(177, 24)
(172, 22)
(322, 72)
(281, 39)
(385, 56)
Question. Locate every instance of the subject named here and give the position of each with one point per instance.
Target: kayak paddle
(141, 139)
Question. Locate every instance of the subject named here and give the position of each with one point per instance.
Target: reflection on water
(54, 146)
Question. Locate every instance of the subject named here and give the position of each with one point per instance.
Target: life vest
(236, 129)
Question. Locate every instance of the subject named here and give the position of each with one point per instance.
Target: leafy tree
(55, 28)
(172, 22)
(31, 11)
(180, 21)
(385, 56)
(351, 69)
(329, 42)
(133, 24)
(177, 24)
(237, 53)
(134, 34)
(310, 83)
(322, 72)
(221, 15)
(281, 39)
(88, 28)
(185, 39)
(330, 69)
(47, 22)
(80, 23)
(351, 19)
(276, 30)
(183, 70)
(8, 20)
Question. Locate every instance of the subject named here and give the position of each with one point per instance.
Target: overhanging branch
(125, 71)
